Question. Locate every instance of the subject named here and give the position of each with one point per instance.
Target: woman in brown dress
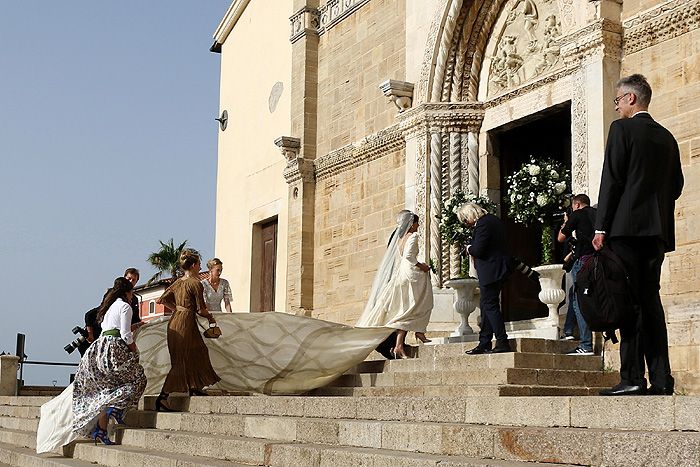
(191, 369)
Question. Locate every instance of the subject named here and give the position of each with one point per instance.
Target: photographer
(93, 327)
(580, 226)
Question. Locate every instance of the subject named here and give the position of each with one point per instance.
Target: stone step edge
(500, 448)
(359, 454)
(25, 456)
(95, 454)
(673, 412)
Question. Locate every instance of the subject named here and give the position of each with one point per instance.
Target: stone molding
(335, 11)
(303, 22)
(398, 92)
(297, 167)
(660, 24)
(601, 37)
(233, 14)
(442, 117)
(360, 153)
(317, 21)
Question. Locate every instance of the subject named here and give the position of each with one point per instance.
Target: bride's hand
(423, 267)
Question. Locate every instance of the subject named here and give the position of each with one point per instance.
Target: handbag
(214, 331)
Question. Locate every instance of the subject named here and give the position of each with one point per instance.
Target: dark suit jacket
(488, 248)
(641, 181)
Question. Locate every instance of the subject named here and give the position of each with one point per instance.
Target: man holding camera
(579, 225)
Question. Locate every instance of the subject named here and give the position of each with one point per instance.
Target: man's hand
(598, 241)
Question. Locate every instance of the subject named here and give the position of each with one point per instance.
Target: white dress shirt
(118, 316)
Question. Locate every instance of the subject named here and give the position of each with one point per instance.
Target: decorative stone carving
(398, 92)
(297, 167)
(662, 23)
(579, 135)
(464, 303)
(303, 22)
(435, 203)
(527, 46)
(361, 152)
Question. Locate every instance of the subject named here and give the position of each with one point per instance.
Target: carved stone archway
(579, 61)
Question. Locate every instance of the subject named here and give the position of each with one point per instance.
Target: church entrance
(546, 134)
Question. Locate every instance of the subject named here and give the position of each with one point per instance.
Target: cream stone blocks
(355, 215)
(354, 57)
(255, 90)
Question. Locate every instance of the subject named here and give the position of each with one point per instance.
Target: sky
(108, 144)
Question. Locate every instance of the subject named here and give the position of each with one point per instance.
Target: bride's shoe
(421, 337)
(399, 355)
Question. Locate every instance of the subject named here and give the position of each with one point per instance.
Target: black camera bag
(603, 291)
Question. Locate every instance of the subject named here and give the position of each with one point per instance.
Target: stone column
(8, 375)
(300, 153)
(435, 183)
(300, 175)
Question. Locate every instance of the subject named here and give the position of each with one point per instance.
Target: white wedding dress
(406, 300)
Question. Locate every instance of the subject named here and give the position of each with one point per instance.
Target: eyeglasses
(619, 98)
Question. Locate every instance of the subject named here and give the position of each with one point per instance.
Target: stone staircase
(411, 423)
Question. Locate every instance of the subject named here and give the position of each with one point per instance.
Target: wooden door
(268, 234)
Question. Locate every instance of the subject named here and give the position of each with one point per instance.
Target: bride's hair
(470, 212)
(404, 222)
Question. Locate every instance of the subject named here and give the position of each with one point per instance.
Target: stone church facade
(381, 105)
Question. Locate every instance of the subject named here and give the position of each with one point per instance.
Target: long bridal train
(268, 353)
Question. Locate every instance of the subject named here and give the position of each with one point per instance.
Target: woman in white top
(402, 295)
(109, 379)
(216, 288)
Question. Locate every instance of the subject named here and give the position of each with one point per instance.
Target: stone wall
(354, 57)
(669, 56)
(355, 214)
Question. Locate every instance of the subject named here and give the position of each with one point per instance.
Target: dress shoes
(624, 390)
(478, 350)
(657, 391)
(502, 349)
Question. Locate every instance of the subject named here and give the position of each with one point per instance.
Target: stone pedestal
(8, 375)
(551, 294)
(464, 303)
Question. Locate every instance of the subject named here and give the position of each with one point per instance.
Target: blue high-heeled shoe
(98, 434)
(116, 414)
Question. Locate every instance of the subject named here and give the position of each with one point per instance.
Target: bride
(402, 296)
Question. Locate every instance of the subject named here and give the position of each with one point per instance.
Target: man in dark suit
(641, 181)
(488, 247)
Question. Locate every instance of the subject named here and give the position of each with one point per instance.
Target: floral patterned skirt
(109, 375)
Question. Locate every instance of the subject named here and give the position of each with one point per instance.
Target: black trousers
(491, 316)
(645, 336)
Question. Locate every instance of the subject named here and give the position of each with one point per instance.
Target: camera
(517, 265)
(81, 343)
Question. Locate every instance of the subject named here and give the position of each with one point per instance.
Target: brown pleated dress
(189, 357)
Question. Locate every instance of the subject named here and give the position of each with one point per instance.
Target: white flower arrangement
(538, 190)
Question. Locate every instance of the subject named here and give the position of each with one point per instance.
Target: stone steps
(19, 423)
(129, 456)
(498, 376)
(453, 391)
(20, 456)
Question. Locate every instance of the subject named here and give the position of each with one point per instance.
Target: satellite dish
(223, 120)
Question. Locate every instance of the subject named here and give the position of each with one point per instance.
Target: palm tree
(166, 260)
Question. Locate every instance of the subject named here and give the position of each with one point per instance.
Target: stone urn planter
(551, 294)
(464, 303)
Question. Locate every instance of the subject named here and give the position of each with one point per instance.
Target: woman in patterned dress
(216, 288)
(109, 379)
(190, 369)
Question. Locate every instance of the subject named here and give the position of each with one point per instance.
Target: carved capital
(398, 92)
(303, 22)
(602, 39)
(297, 167)
(442, 117)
